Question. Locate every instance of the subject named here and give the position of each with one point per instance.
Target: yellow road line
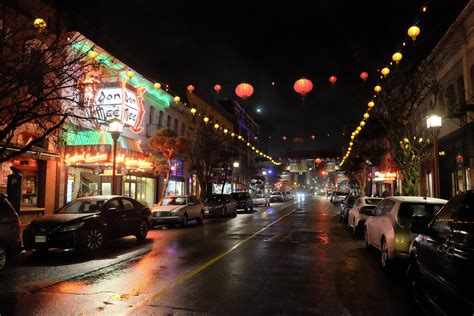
(194, 272)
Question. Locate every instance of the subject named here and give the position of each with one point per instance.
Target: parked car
(440, 273)
(277, 196)
(338, 197)
(177, 210)
(219, 205)
(346, 205)
(360, 211)
(261, 199)
(243, 200)
(389, 229)
(10, 241)
(87, 223)
(289, 195)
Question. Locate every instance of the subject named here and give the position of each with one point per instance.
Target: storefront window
(86, 182)
(140, 188)
(175, 187)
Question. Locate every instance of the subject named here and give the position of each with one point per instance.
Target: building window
(151, 118)
(450, 98)
(160, 119)
(168, 122)
(460, 90)
(176, 126)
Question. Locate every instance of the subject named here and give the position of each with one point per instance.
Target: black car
(243, 200)
(87, 223)
(346, 205)
(219, 205)
(10, 241)
(441, 274)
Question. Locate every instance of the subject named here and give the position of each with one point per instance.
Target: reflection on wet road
(291, 258)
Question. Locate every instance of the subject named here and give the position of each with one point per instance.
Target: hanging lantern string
(413, 32)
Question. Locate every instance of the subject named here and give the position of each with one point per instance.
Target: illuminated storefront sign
(111, 101)
(385, 176)
(129, 162)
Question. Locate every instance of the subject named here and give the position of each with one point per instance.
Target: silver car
(177, 210)
(389, 229)
(261, 199)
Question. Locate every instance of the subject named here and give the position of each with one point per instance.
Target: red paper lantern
(364, 76)
(313, 137)
(244, 90)
(303, 86)
(318, 161)
(332, 80)
(218, 88)
(191, 88)
(284, 138)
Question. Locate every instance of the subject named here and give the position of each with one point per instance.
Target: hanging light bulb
(193, 111)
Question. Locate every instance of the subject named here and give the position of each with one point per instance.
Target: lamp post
(434, 122)
(115, 129)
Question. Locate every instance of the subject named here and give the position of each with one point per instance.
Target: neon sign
(88, 158)
(385, 176)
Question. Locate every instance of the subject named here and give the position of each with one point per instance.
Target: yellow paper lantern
(413, 32)
(177, 99)
(193, 111)
(216, 126)
(39, 24)
(362, 123)
(232, 134)
(226, 130)
(352, 136)
(157, 85)
(385, 71)
(130, 74)
(92, 55)
(359, 128)
(239, 137)
(206, 119)
(377, 89)
(350, 144)
(366, 115)
(397, 57)
(371, 104)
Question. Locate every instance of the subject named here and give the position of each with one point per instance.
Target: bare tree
(40, 81)
(210, 155)
(409, 92)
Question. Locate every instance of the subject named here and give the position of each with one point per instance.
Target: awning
(95, 146)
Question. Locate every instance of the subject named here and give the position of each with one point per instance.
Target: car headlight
(71, 227)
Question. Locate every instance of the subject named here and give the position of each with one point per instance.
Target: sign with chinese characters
(120, 102)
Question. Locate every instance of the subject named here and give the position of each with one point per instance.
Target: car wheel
(413, 283)
(384, 258)
(3, 257)
(200, 218)
(93, 239)
(184, 221)
(142, 230)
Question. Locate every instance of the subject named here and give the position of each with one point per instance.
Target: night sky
(180, 43)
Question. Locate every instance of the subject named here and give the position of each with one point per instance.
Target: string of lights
(413, 32)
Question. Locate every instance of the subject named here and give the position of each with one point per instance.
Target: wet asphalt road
(292, 258)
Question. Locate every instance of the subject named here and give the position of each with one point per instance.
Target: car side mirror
(419, 226)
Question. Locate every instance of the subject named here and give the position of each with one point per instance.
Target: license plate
(206, 212)
(40, 239)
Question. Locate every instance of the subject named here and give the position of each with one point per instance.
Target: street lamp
(434, 122)
(115, 129)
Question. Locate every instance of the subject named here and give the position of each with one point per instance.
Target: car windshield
(372, 201)
(176, 200)
(425, 211)
(239, 196)
(214, 198)
(82, 206)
